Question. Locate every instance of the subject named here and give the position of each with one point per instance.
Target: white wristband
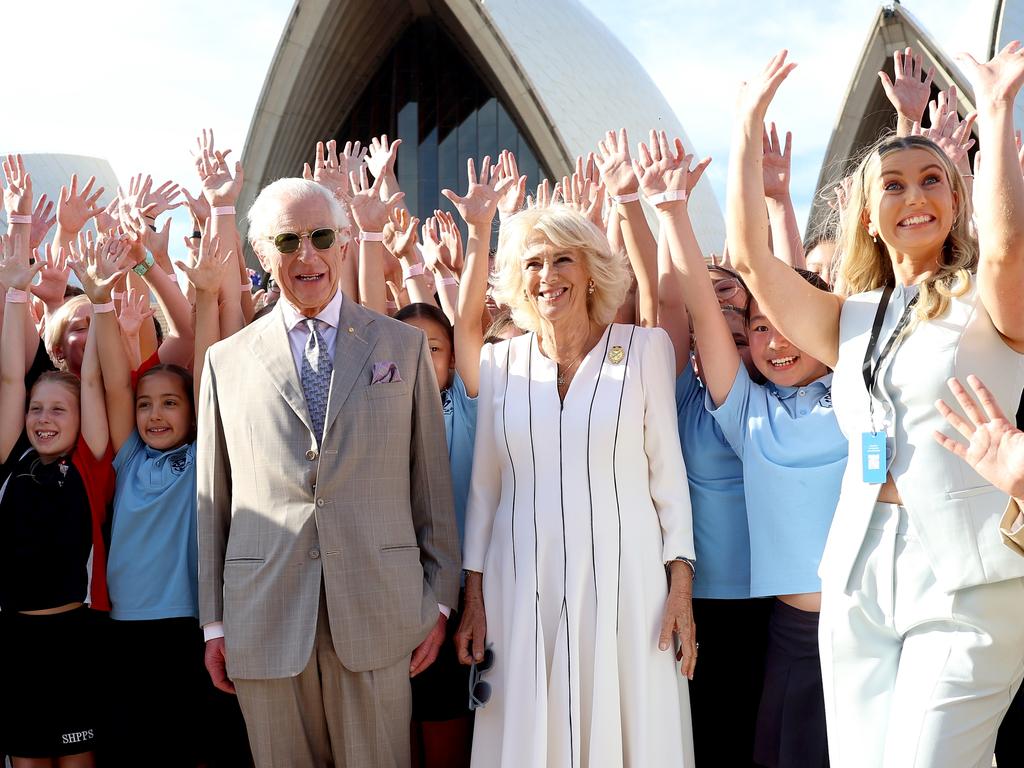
(246, 286)
(632, 197)
(101, 308)
(15, 296)
(413, 271)
(20, 218)
(117, 295)
(223, 210)
(371, 237)
(670, 196)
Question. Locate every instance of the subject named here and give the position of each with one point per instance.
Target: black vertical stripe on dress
(590, 488)
(504, 429)
(536, 555)
(615, 476)
(565, 573)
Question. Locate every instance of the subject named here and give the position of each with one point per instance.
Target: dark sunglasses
(479, 689)
(289, 242)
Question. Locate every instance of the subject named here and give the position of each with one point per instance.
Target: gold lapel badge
(616, 355)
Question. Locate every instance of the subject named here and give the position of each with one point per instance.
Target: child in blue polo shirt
(793, 457)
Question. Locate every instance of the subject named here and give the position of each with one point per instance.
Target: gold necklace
(563, 371)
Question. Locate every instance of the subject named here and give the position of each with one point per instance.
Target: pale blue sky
(134, 82)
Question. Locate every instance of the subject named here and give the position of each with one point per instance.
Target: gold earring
(590, 288)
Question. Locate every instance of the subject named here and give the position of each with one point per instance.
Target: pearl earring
(590, 288)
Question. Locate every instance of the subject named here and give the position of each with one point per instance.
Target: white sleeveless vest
(955, 512)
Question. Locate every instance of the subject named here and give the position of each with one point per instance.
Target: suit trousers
(915, 677)
(328, 715)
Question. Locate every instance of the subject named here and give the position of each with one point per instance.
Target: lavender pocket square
(385, 373)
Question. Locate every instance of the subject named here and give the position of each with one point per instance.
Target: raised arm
(999, 191)
(370, 214)
(74, 209)
(205, 276)
(621, 183)
(663, 171)
(805, 315)
(22, 225)
(436, 259)
(477, 209)
(381, 163)
(17, 274)
(787, 244)
(400, 240)
(331, 169)
(98, 269)
(221, 190)
(119, 398)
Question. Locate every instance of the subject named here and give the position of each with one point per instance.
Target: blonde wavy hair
(866, 264)
(56, 327)
(565, 229)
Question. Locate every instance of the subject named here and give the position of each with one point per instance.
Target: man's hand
(216, 661)
(426, 651)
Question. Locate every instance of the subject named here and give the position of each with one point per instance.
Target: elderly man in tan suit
(327, 538)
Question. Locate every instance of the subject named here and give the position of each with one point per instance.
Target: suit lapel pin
(615, 355)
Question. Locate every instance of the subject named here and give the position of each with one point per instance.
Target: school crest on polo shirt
(826, 400)
(179, 462)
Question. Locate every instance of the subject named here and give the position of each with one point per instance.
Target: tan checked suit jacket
(370, 511)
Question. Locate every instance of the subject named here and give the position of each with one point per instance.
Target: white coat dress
(574, 509)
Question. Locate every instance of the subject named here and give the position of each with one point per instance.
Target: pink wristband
(371, 237)
(20, 218)
(390, 305)
(117, 295)
(246, 286)
(14, 296)
(223, 210)
(632, 197)
(413, 271)
(98, 309)
(670, 196)
(449, 281)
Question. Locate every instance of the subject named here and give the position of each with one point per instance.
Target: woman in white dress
(579, 548)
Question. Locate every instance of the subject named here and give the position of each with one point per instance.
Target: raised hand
(615, 164)
(161, 199)
(329, 170)
(512, 200)
(53, 277)
(953, 136)
(400, 232)
(74, 208)
(368, 210)
(109, 218)
(995, 448)
(452, 254)
(99, 266)
(219, 187)
(777, 163)
(432, 246)
(663, 170)
(480, 203)
(583, 194)
(381, 160)
(755, 95)
(910, 93)
(210, 265)
(543, 197)
(198, 206)
(135, 310)
(997, 80)
(42, 221)
(18, 186)
(15, 270)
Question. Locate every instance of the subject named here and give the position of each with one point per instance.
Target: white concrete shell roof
(562, 75)
(866, 113)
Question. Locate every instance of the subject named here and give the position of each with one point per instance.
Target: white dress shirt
(298, 336)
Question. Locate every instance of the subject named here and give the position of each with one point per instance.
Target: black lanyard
(871, 372)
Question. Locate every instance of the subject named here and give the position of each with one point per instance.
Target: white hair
(267, 206)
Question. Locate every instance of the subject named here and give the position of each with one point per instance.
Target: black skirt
(50, 677)
(791, 719)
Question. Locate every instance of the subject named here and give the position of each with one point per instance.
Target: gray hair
(265, 208)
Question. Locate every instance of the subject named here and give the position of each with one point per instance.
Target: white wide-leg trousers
(915, 677)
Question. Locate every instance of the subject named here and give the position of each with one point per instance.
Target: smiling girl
(55, 483)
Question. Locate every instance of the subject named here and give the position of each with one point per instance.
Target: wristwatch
(144, 266)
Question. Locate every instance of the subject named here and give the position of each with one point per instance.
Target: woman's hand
(511, 202)
(135, 310)
(369, 212)
(15, 270)
(53, 278)
(400, 233)
(757, 94)
(472, 633)
(382, 156)
(777, 163)
(665, 168)
(219, 187)
(615, 165)
(74, 208)
(330, 169)
(18, 188)
(42, 221)
(995, 448)
(679, 618)
(208, 271)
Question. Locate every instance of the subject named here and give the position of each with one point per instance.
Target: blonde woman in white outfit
(577, 506)
(921, 631)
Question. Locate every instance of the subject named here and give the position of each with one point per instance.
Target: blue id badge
(873, 457)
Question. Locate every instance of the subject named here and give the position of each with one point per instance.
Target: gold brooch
(615, 355)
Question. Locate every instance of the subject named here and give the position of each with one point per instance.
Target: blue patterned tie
(315, 377)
